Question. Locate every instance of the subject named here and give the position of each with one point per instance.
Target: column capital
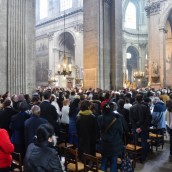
(51, 36)
(153, 8)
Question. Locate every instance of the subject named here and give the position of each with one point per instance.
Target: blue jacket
(30, 127)
(17, 127)
(158, 115)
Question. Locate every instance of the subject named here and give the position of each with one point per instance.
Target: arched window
(65, 5)
(43, 9)
(130, 16)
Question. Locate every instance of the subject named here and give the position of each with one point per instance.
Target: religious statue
(155, 68)
(155, 73)
(146, 71)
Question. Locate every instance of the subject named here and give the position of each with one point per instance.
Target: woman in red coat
(6, 148)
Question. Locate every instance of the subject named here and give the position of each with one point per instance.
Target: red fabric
(6, 148)
(104, 102)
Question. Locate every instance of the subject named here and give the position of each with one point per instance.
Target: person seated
(41, 155)
(6, 149)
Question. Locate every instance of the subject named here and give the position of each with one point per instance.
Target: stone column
(116, 45)
(3, 45)
(154, 55)
(21, 47)
(103, 66)
(91, 43)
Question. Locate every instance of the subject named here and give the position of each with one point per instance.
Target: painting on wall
(42, 60)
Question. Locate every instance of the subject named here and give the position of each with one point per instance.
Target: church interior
(89, 45)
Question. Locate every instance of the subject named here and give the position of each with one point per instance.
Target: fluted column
(21, 70)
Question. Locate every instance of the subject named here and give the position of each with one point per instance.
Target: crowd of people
(94, 119)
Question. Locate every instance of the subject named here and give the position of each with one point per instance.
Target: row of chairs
(156, 139)
(90, 163)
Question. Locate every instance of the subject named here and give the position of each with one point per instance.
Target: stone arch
(68, 45)
(132, 63)
(56, 43)
(164, 17)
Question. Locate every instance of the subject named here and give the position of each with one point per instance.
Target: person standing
(111, 137)
(17, 128)
(41, 155)
(139, 118)
(86, 129)
(168, 118)
(48, 111)
(65, 115)
(5, 115)
(158, 114)
(31, 125)
(6, 149)
(73, 112)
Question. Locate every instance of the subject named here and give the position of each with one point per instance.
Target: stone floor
(157, 161)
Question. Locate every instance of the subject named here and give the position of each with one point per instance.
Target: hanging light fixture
(64, 68)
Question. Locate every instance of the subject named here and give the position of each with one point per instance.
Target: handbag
(126, 165)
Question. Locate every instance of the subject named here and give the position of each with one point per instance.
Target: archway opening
(169, 50)
(67, 45)
(132, 63)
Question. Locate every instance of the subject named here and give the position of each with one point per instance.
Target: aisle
(157, 161)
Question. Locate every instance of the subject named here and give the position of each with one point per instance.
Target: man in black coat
(48, 111)
(6, 114)
(31, 125)
(139, 118)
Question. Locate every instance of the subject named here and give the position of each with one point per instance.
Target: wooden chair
(71, 160)
(17, 162)
(157, 138)
(134, 151)
(99, 156)
(63, 143)
(91, 163)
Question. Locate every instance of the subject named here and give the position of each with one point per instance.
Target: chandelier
(139, 75)
(64, 68)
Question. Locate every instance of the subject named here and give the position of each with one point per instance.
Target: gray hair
(35, 110)
(156, 99)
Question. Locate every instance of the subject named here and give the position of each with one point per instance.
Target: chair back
(63, 137)
(17, 161)
(71, 157)
(90, 163)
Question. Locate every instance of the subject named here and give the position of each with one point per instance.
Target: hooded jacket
(6, 148)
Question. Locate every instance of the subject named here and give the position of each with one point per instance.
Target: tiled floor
(157, 161)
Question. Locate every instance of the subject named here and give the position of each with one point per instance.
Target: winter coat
(5, 118)
(111, 140)
(158, 115)
(6, 148)
(17, 127)
(139, 116)
(30, 127)
(41, 158)
(86, 129)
